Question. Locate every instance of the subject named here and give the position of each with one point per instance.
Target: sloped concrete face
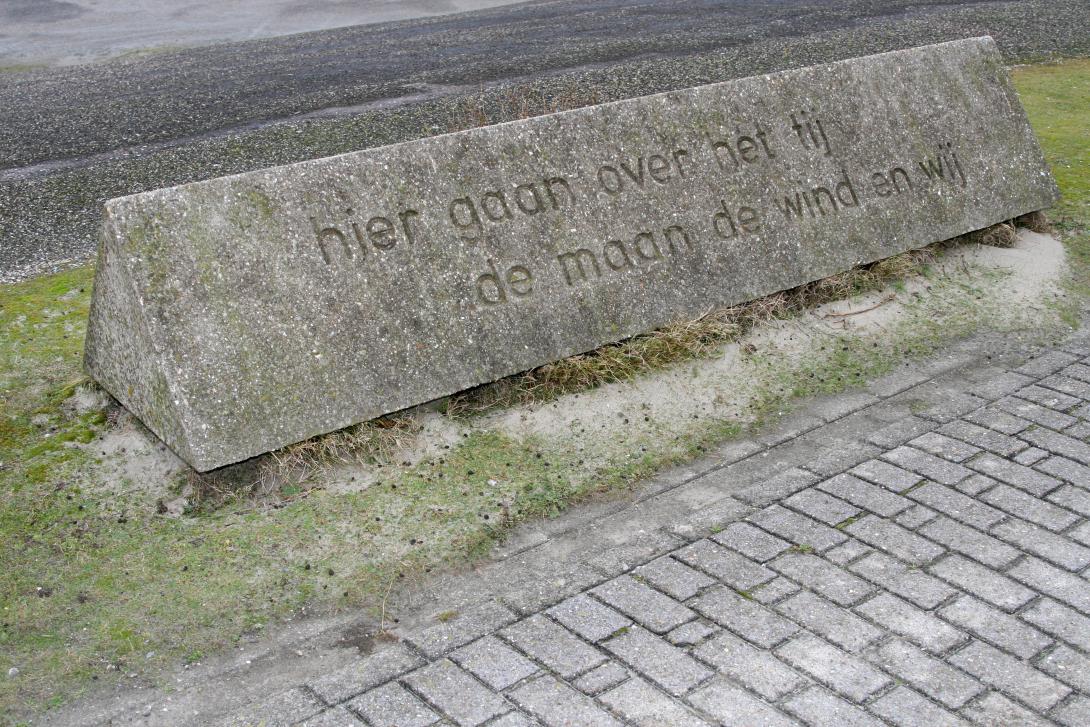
(241, 314)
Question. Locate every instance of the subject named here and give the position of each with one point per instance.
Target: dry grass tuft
(682, 341)
(1001, 235)
(1035, 221)
(290, 472)
(373, 441)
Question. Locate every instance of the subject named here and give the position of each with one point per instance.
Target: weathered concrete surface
(241, 314)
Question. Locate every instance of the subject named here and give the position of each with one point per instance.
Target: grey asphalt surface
(67, 32)
(71, 137)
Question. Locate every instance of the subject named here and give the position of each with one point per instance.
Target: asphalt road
(73, 136)
(67, 32)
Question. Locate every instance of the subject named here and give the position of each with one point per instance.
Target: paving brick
(1066, 385)
(890, 537)
(751, 667)
(541, 581)
(916, 586)
(637, 548)
(1001, 385)
(920, 627)
(973, 486)
(392, 706)
(836, 584)
(915, 516)
(674, 578)
(1010, 675)
(338, 716)
(1061, 585)
(658, 660)
(832, 622)
(927, 674)
(774, 590)
(287, 707)
(951, 405)
(648, 607)
(896, 382)
(691, 633)
(1034, 412)
(704, 519)
(900, 431)
(1076, 713)
(1046, 363)
(983, 582)
(744, 617)
(601, 678)
(1030, 457)
(955, 505)
(1080, 533)
(889, 476)
(971, 542)
(467, 626)
(494, 663)
(1068, 666)
(777, 487)
(928, 465)
(995, 418)
(734, 707)
(553, 645)
(456, 693)
(821, 506)
(751, 541)
(1048, 397)
(640, 703)
(588, 618)
(1002, 444)
(513, 719)
(1073, 498)
(558, 705)
(368, 672)
(906, 708)
(797, 528)
(818, 707)
(1066, 469)
(1043, 543)
(1060, 444)
(731, 568)
(1077, 370)
(945, 447)
(1079, 431)
(1030, 508)
(849, 675)
(848, 551)
(865, 495)
(1060, 621)
(996, 627)
(995, 710)
(1024, 478)
(841, 455)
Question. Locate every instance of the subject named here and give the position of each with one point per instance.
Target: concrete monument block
(241, 314)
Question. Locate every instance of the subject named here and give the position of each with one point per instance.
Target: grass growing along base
(96, 587)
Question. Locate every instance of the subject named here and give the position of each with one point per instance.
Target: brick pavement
(929, 570)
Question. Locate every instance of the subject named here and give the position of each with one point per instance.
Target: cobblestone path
(931, 571)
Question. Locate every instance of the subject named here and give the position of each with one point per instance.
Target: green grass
(1057, 100)
(92, 582)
